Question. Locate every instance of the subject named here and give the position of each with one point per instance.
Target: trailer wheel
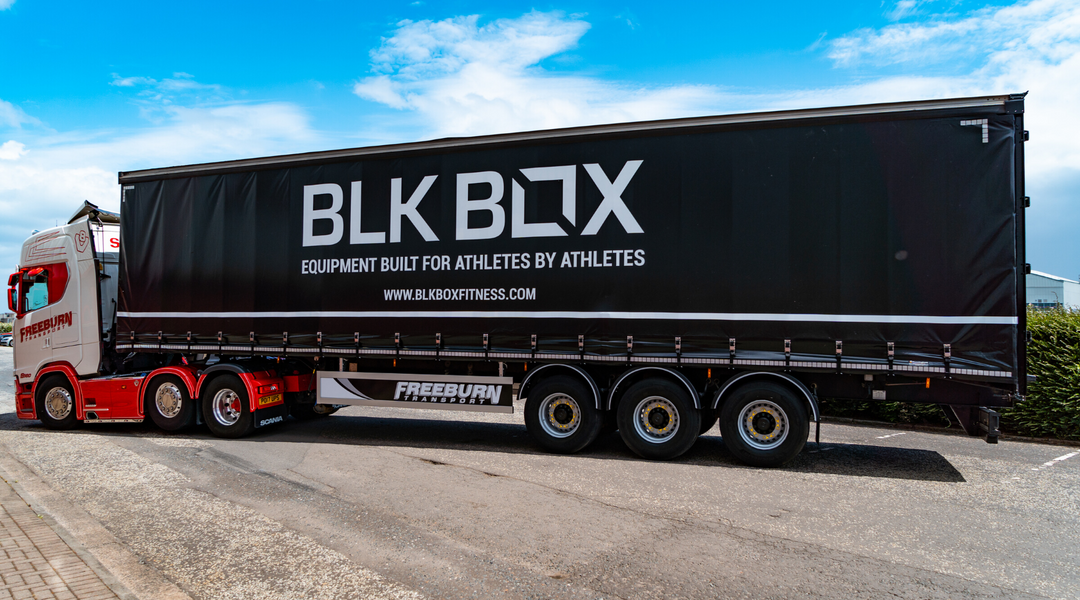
(55, 400)
(657, 419)
(561, 415)
(226, 408)
(764, 424)
(169, 404)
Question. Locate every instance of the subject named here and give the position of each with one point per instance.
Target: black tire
(169, 404)
(764, 424)
(55, 402)
(226, 407)
(561, 415)
(657, 419)
(708, 419)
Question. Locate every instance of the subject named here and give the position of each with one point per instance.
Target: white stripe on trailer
(643, 316)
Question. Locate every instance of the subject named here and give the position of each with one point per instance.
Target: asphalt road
(383, 503)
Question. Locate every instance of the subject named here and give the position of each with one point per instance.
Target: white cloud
(130, 81)
(55, 172)
(6, 4)
(13, 116)
(459, 77)
(434, 48)
(1050, 28)
(905, 8)
(154, 96)
(464, 78)
(12, 150)
(1028, 46)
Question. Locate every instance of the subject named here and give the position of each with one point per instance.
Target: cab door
(45, 298)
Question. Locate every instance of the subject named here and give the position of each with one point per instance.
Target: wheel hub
(58, 403)
(227, 407)
(763, 424)
(169, 401)
(563, 414)
(657, 419)
(560, 415)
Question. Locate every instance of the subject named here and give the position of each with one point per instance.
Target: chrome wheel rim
(226, 407)
(763, 424)
(169, 400)
(656, 420)
(560, 415)
(58, 403)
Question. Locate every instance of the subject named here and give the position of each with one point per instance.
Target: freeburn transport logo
(49, 325)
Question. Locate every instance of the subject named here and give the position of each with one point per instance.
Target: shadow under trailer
(649, 277)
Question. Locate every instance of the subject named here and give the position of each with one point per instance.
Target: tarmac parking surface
(408, 503)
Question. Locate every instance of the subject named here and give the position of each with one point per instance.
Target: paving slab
(35, 562)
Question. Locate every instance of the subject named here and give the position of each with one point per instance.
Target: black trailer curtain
(865, 230)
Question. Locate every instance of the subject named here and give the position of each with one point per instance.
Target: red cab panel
(24, 400)
(113, 398)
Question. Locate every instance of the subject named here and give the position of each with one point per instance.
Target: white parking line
(882, 437)
(1059, 459)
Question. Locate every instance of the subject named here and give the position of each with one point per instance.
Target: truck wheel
(169, 404)
(764, 424)
(226, 407)
(657, 419)
(561, 415)
(55, 400)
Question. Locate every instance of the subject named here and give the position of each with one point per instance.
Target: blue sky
(89, 89)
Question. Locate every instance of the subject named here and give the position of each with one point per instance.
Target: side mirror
(13, 300)
(13, 279)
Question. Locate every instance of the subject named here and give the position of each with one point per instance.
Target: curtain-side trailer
(647, 277)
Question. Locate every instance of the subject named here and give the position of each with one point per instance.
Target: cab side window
(37, 292)
(42, 286)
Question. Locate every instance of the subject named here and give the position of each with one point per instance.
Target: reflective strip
(512, 314)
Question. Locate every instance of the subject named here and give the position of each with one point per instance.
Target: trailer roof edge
(554, 134)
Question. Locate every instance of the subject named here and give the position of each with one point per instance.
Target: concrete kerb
(123, 572)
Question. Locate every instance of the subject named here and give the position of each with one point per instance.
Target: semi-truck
(651, 278)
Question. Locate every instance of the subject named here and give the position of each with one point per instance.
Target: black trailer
(647, 276)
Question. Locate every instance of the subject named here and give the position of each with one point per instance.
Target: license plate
(268, 400)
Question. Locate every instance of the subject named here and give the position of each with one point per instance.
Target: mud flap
(270, 415)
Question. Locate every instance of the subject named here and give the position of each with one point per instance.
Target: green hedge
(1052, 408)
(890, 412)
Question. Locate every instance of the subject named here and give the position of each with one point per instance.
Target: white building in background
(1049, 291)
